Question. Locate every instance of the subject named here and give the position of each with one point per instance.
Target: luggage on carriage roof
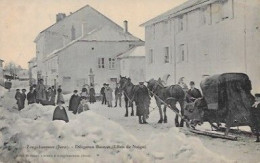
(229, 94)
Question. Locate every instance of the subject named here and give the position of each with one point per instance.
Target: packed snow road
(103, 135)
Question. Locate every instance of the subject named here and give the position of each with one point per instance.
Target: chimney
(126, 26)
(60, 16)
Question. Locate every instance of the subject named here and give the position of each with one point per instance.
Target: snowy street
(108, 126)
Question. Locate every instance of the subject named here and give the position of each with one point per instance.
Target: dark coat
(18, 97)
(31, 97)
(192, 95)
(60, 114)
(118, 92)
(74, 103)
(142, 100)
(255, 116)
(23, 99)
(102, 91)
(92, 97)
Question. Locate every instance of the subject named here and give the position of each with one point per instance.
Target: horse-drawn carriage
(226, 99)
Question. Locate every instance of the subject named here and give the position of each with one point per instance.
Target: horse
(128, 87)
(170, 95)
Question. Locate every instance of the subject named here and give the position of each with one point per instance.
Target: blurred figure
(31, 96)
(18, 97)
(118, 95)
(92, 94)
(40, 92)
(74, 102)
(83, 106)
(183, 84)
(102, 93)
(193, 93)
(109, 95)
(53, 95)
(60, 112)
(255, 114)
(23, 97)
(60, 96)
(84, 93)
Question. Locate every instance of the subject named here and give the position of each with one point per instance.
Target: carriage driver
(255, 112)
(193, 93)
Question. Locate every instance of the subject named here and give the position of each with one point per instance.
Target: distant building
(132, 64)
(32, 65)
(80, 49)
(23, 75)
(205, 37)
(1, 72)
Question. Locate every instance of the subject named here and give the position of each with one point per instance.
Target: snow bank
(32, 132)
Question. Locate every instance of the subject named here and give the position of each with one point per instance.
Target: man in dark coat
(102, 93)
(60, 113)
(53, 95)
(74, 102)
(142, 100)
(23, 97)
(118, 95)
(193, 93)
(31, 96)
(18, 97)
(255, 114)
(92, 94)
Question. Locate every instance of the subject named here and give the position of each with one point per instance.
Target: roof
(176, 11)
(137, 51)
(88, 9)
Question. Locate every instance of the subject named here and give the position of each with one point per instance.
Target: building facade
(132, 64)
(32, 66)
(80, 49)
(205, 37)
(1, 72)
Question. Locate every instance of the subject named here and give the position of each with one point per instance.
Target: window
(166, 55)
(182, 53)
(73, 33)
(151, 56)
(181, 26)
(111, 62)
(101, 62)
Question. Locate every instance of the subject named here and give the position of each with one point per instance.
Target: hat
(60, 101)
(17, 89)
(192, 83)
(23, 89)
(104, 84)
(141, 83)
(257, 95)
(75, 91)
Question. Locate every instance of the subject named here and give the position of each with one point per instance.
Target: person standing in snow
(31, 96)
(142, 100)
(83, 106)
(102, 93)
(53, 94)
(18, 97)
(255, 116)
(118, 95)
(23, 97)
(92, 94)
(74, 102)
(60, 112)
(109, 95)
(84, 93)
(40, 92)
(60, 96)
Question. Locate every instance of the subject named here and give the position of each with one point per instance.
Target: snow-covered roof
(183, 8)
(137, 51)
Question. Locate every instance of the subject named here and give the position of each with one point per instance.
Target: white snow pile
(31, 136)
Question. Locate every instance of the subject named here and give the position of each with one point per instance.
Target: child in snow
(83, 106)
(60, 112)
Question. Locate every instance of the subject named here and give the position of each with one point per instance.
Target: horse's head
(123, 82)
(153, 85)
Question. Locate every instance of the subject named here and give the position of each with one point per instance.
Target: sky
(22, 20)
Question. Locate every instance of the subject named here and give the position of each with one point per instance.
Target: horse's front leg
(182, 112)
(126, 107)
(132, 106)
(158, 102)
(164, 111)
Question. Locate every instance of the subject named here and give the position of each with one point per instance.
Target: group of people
(106, 93)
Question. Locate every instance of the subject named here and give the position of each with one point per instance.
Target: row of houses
(194, 40)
